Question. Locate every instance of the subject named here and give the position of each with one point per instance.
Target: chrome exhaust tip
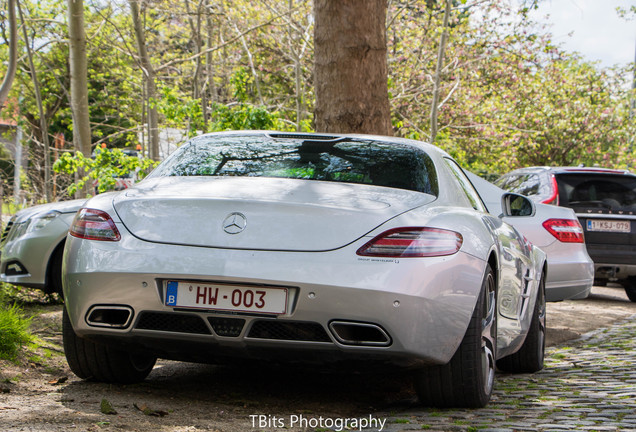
(359, 334)
(109, 316)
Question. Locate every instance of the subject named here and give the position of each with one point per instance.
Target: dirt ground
(41, 394)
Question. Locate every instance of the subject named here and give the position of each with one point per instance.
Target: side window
(467, 186)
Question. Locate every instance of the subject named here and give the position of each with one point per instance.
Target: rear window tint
(597, 191)
(346, 160)
(524, 184)
(536, 186)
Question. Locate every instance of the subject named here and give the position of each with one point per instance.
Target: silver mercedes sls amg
(268, 246)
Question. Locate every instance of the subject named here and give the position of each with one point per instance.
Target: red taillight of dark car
(565, 230)
(91, 224)
(554, 196)
(413, 242)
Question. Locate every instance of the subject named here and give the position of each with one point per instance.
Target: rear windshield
(597, 191)
(524, 184)
(345, 160)
(533, 185)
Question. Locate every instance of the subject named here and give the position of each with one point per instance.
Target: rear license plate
(608, 225)
(233, 298)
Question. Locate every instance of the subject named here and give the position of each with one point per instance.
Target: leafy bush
(105, 168)
(14, 331)
(243, 116)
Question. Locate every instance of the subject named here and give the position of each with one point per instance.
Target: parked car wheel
(630, 287)
(447, 385)
(530, 357)
(90, 360)
(54, 284)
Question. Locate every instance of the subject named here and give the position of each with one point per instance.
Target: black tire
(467, 380)
(630, 288)
(530, 356)
(54, 280)
(92, 361)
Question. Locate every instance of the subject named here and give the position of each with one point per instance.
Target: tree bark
(13, 54)
(44, 127)
(79, 81)
(150, 75)
(296, 51)
(195, 28)
(350, 69)
(438, 72)
(209, 90)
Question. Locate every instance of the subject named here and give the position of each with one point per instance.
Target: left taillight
(565, 230)
(413, 242)
(91, 224)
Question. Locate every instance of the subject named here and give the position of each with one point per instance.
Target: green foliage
(10, 207)
(180, 111)
(243, 116)
(14, 331)
(511, 97)
(183, 112)
(105, 168)
(241, 81)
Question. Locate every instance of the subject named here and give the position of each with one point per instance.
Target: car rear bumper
(616, 254)
(570, 272)
(613, 272)
(613, 262)
(423, 306)
(571, 290)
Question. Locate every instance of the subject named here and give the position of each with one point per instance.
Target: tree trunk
(438, 72)
(350, 69)
(295, 51)
(44, 127)
(195, 28)
(13, 54)
(209, 88)
(150, 75)
(79, 81)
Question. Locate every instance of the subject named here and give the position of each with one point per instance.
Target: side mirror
(516, 205)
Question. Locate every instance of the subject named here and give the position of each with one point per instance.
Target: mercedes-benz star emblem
(234, 223)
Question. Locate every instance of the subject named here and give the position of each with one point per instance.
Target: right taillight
(565, 230)
(91, 224)
(413, 242)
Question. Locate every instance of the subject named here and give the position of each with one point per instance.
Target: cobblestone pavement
(588, 385)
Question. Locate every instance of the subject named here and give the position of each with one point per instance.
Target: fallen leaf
(60, 380)
(107, 408)
(150, 412)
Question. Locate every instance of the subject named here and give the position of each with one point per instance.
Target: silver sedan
(307, 248)
(32, 245)
(557, 231)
